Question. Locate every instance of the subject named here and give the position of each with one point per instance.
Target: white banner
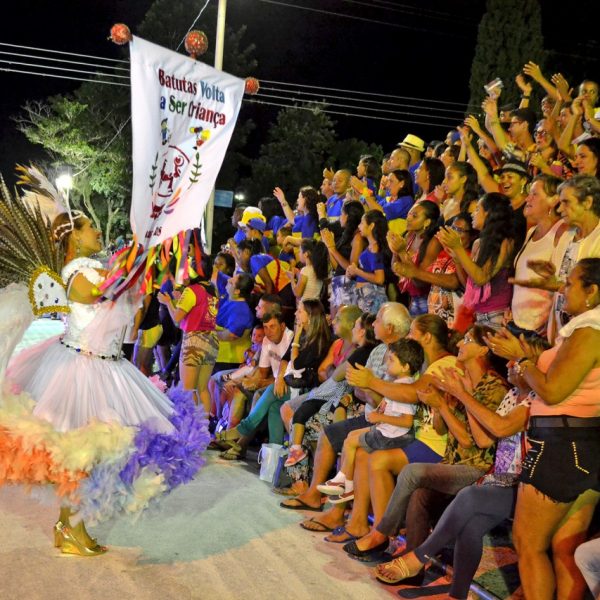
(183, 115)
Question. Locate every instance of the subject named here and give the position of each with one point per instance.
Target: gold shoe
(71, 545)
(58, 536)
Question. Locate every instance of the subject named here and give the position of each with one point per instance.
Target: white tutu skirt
(99, 431)
(72, 389)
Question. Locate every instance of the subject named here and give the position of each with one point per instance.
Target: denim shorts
(418, 452)
(562, 462)
(337, 432)
(373, 440)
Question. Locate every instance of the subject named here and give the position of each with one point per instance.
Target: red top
(203, 314)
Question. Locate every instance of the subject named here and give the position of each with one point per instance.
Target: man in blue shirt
(340, 183)
(415, 146)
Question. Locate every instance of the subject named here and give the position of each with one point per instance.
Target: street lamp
(64, 183)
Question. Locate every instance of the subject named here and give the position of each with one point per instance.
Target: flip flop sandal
(355, 552)
(340, 531)
(300, 506)
(284, 491)
(321, 528)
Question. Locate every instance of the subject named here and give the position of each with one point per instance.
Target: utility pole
(220, 43)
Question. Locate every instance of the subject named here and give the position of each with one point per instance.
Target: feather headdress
(29, 254)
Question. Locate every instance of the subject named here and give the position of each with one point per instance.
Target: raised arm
(287, 209)
(486, 181)
(533, 70)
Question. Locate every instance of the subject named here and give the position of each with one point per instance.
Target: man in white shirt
(271, 366)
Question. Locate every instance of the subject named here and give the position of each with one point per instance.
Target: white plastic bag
(268, 457)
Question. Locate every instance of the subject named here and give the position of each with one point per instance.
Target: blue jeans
(587, 557)
(448, 479)
(268, 405)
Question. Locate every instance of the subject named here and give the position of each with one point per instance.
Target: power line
(250, 100)
(394, 4)
(192, 25)
(62, 69)
(271, 96)
(61, 52)
(7, 70)
(364, 19)
(287, 97)
(62, 60)
(345, 114)
(321, 89)
(377, 110)
(413, 11)
(364, 100)
(303, 85)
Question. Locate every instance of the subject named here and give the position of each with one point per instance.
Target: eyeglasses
(541, 133)
(469, 340)
(459, 229)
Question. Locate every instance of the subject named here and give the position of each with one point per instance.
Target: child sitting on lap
(392, 421)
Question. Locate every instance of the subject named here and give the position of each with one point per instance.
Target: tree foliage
(510, 35)
(90, 130)
(80, 132)
(344, 154)
(297, 147)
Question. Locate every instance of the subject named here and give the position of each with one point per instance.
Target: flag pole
(220, 43)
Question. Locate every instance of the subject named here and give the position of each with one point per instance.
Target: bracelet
(295, 345)
(521, 366)
(525, 96)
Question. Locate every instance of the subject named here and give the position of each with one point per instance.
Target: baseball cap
(257, 223)
(251, 212)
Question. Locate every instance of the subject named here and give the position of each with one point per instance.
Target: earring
(587, 303)
(78, 248)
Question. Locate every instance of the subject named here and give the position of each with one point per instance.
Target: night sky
(421, 49)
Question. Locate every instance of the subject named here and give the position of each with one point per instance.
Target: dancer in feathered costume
(73, 413)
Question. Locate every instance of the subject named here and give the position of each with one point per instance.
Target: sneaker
(295, 456)
(345, 497)
(332, 488)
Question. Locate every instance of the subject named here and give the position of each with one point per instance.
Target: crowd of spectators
(423, 335)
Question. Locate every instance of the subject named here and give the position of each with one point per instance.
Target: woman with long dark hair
(344, 244)
(487, 292)
(461, 189)
(306, 223)
(369, 275)
(420, 247)
(428, 176)
(441, 274)
(313, 276)
(308, 347)
(587, 158)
